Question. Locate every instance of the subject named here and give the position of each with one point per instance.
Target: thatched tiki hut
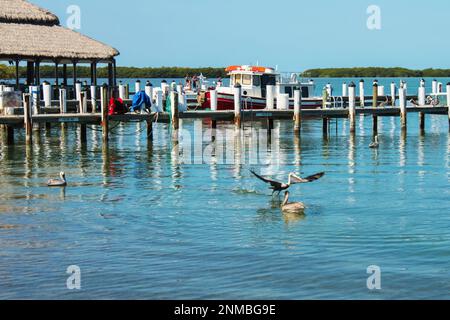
(34, 35)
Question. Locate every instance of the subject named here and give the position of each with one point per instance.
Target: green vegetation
(8, 72)
(374, 72)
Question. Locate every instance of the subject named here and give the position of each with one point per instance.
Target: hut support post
(17, 75)
(65, 75)
(30, 73)
(38, 73)
(297, 112)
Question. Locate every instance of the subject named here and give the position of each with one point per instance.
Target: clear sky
(293, 34)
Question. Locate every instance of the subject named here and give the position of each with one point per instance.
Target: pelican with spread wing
(277, 186)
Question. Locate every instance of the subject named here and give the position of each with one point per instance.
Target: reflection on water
(166, 228)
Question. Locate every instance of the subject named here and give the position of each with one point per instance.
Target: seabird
(375, 144)
(58, 182)
(277, 186)
(293, 207)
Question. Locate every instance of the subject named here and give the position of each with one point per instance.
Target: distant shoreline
(8, 72)
(374, 72)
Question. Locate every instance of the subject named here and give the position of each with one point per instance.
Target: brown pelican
(375, 144)
(293, 207)
(62, 182)
(277, 186)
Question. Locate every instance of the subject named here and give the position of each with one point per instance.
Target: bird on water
(292, 207)
(375, 144)
(277, 186)
(61, 182)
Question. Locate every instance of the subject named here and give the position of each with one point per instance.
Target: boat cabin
(254, 81)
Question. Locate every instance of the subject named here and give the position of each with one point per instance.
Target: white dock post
(159, 101)
(270, 97)
(78, 91)
(421, 94)
(283, 101)
(393, 93)
(297, 111)
(94, 98)
(180, 96)
(63, 100)
(403, 110)
(362, 96)
(35, 98)
(47, 93)
(213, 98)
(344, 89)
(434, 86)
(137, 86)
(237, 105)
(381, 92)
(122, 91)
(83, 102)
(448, 103)
(351, 106)
(149, 90)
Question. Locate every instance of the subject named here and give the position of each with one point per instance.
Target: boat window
(268, 80)
(288, 90)
(246, 79)
(237, 79)
(256, 81)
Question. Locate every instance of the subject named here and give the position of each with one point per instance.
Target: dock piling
(94, 98)
(237, 105)
(105, 117)
(393, 93)
(403, 110)
(297, 111)
(448, 104)
(375, 105)
(213, 98)
(47, 89)
(27, 119)
(63, 101)
(361, 93)
(270, 97)
(352, 106)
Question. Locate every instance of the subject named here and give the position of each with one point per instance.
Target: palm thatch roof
(28, 32)
(20, 11)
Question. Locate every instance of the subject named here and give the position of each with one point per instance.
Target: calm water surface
(141, 225)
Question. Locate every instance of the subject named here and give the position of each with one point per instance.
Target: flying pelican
(58, 182)
(375, 144)
(277, 186)
(293, 207)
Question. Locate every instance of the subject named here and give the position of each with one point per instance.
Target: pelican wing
(314, 177)
(273, 183)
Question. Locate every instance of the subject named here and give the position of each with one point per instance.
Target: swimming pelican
(375, 144)
(293, 207)
(62, 182)
(277, 186)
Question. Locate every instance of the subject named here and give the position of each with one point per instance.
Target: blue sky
(293, 34)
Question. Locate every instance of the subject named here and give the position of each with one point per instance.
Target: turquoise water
(141, 225)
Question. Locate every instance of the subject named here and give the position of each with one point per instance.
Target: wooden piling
(83, 133)
(174, 110)
(352, 106)
(422, 121)
(27, 119)
(297, 111)
(325, 126)
(448, 103)
(104, 110)
(375, 105)
(237, 105)
(9, 135)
